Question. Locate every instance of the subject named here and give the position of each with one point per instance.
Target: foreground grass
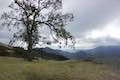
(18, 69)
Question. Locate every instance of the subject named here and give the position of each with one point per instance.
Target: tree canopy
(28, 16)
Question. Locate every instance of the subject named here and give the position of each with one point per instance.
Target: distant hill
(10, 51)
(5, 50)
(81, 55)
(77, 55)
(56, 52)
(105, 51)
(48, 53)
(102, 53)
(106, 54)
(98, 52)
(45, 53)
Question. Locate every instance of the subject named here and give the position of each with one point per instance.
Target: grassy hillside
(20, 52)
(18, 69)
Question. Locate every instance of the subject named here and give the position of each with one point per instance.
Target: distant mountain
(80, 55)
(48, 53)
(106, 55)
(45, 53)
(102, 52)
(75, 55)
(105, 51)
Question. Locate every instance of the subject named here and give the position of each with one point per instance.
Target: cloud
(96, 22)
(91, 15)
(88, 43)
(107, 35)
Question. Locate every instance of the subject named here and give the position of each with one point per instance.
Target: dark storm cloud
(91, 14)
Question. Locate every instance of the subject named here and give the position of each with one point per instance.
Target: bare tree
(30, 15)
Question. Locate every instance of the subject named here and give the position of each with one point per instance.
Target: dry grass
(18, 69)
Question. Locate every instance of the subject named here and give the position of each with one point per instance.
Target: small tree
(30, 15)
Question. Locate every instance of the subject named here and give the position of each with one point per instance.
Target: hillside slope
(10, 51)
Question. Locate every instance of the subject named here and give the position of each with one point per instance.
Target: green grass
(18, 69)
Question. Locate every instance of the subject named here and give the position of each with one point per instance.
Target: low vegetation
(18, 69)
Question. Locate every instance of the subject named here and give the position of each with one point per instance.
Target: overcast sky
(96, 22)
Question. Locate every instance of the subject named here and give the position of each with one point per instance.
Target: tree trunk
(30, 45)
